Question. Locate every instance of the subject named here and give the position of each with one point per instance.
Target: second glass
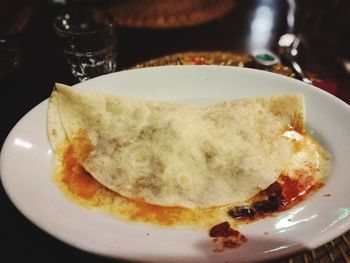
(88, 41)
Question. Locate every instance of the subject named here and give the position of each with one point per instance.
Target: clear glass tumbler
(88, 41)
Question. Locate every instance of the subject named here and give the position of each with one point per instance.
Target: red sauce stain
(83, 186)
(291, 188)
(200, 62)
(280, 196)
(75, 177)
(226, 237)
(297, 189)
(156, 213)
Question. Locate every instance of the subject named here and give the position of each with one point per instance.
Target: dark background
(324, 25)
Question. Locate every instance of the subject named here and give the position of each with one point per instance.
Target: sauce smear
(80, 186)
(279, 196)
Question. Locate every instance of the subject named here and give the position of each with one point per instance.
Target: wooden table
(251, 24)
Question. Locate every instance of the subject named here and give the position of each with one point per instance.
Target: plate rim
(296, 248)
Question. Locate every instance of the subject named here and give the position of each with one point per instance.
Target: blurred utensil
(288, 50)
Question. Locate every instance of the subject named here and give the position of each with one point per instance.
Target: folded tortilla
(194, 156)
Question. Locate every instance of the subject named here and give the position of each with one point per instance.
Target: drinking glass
(88, 41)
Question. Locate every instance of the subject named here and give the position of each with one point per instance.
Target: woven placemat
(157, 14)
(213, 58)
(337, 250)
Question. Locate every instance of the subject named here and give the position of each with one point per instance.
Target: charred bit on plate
(279, 196)
(275, 200)
(226, 237)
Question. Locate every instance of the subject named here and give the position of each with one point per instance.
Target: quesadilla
(180, 155)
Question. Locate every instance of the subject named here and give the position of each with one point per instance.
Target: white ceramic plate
(26, 176)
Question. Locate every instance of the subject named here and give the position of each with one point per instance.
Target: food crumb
(226, 237)
(289, 219)
(266, 233)
(327, 195)
(147, 234)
